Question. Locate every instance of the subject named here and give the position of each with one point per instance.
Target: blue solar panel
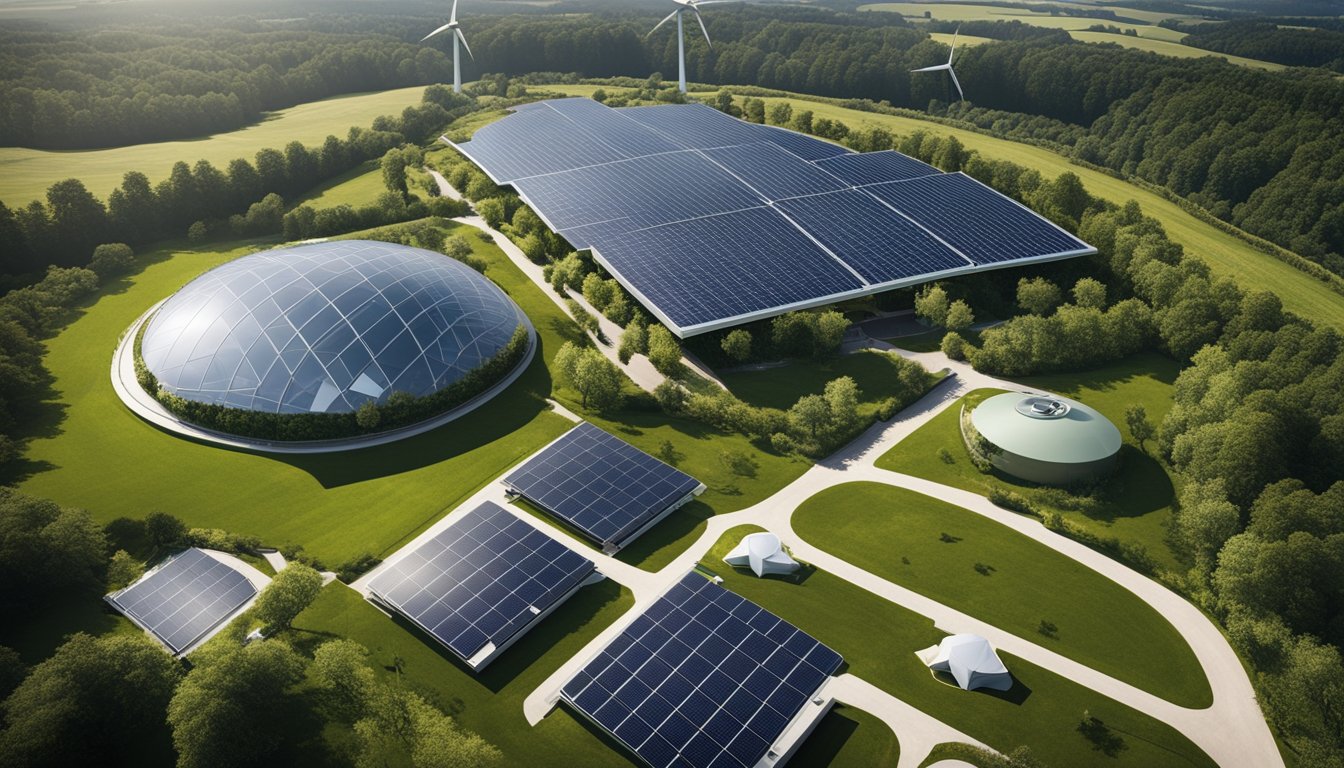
(481, 580)
(613, 127)
(706, 270)
(184, 598)
(879, 243)
(703, 677)
(800, 144)
(646, 191)
(600, 484)
(981, 223)
(533, 142)
(694, 126)
(773, 172)
(876, 167)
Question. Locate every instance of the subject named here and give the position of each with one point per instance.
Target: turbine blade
(952, 51)
(435, 32)
(702, 26)
(463, 38)
(934, 68)
(453, 17)
(666, 19)
(957, 83)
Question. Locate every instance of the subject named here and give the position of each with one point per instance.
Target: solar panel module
(601, 485)
(703, 677)
(183, 599)
(711, 222)
(481, 583)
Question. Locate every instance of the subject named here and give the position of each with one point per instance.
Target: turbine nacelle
(456, 33)
(947, 66)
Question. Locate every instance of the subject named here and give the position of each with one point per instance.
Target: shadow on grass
(36, 634)
(668, 532)
(825, 743)
(518, 658)
(1140, 486)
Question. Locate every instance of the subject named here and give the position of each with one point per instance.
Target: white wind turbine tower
(947, 66)
(457, 38)
(682, 7)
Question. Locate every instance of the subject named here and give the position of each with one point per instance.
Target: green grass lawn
(1165, 47)
(935, 549)
(25, 174)
(491, 703)
(780, 386)
(878, 640)
(1226, 255)
(1134, 506)
(849, 738)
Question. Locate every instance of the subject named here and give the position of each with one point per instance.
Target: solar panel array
(600, 484)
(703, 677)
(182, 600)
(481, 580)
(656, 191)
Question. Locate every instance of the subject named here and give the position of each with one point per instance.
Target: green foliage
(100, 696)
(290, 591)
(110, 259)
(367, 416)
(959, 316)
(592, 375)
(663, 350)
(808, 334)
(46, 549)
(954, 346)
(492, 210)
(1140, 428)
(12, 671)
(1206, 521)
(737, 345)
(1090, 293)
(1037, 295)
(932, 304)
(634, 341)
(123, 569)
(164, 531)
(227, 711)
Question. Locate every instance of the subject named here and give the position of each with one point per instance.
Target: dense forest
(1268, 41)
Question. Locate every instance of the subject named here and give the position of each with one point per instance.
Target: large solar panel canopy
(680, 202)
(185, 598)
(703, 677)
(607, 489)
(481, 583)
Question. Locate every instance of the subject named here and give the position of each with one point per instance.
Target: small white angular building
(971, 661)
(763, 553)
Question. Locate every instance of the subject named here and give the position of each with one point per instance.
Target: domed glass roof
(1062, 431)
(325, 327)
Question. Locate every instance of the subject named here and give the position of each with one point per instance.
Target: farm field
(1168, 48)
(25, 174)
(1226, 255)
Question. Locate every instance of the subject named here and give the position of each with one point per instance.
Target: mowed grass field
(1226, 255)
(25, 174)
(1169, 48)
(878, 640)
(981, 568)
(1135, 505)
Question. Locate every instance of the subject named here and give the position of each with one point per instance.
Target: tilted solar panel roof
(326, 327)
(699, 235)
(600, 484)
(186, 597)
(703, 677)
(481, 580)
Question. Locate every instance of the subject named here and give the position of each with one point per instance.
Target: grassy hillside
(1225, 254)
(25, 174)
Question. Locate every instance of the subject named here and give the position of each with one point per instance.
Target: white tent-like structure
(971, 660)
(763, 553)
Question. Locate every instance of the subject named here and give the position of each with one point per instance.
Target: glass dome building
(326, 327)
(1049, 440)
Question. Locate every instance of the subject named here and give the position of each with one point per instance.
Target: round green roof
(1054, 429)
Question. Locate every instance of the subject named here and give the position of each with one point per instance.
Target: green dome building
(1050, 440)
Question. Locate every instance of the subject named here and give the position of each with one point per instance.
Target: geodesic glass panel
(325, 327)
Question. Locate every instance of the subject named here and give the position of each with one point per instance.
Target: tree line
(1267, 41)
(246, 198)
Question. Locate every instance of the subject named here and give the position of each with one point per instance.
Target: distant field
(966, 40)
(1167, 48)
(25, 174)
(971, 12)
(1226, 255)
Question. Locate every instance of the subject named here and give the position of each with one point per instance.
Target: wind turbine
(682, 7)
(947, 66)
(457, 37)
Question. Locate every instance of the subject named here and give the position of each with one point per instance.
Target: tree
(810, 413)
(634, 341)
(1088, 292)
(95, 696)
(1206, 521)
(664, 351)
(79, 217)
(932, 304)
(133, 211)
(737, 345)
(492, 210)
(781, 113)
(45, 548)
(457, 247)
(111, 259)
(123, 569)
(164, 531)
(341, 667)
(12, 672)
(723, 101)
(1140, 428)
(753, 110)
(228, 710)
(842, 401)
(393, 166)
(802, 122)
(954, 346)
(828, 331)
(959, 316)
(368, 415)
(290, 591)
(597, 380)
(1037, 295)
